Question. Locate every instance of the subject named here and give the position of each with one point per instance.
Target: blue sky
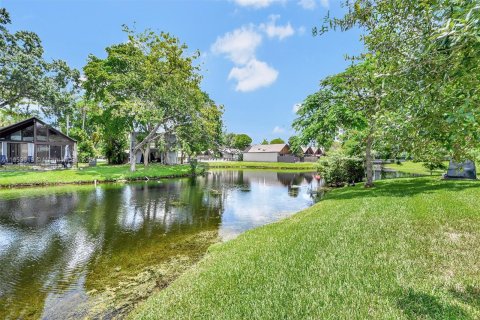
(258, 57)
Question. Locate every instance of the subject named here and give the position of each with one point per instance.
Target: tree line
(145, 92)
(414, 89)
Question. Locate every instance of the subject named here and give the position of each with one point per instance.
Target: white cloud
(325, 3)
(278, 129)
(257, 4)
(296, 107)
(253, 75)
(308, 4)
(272, 30)
(239, 45)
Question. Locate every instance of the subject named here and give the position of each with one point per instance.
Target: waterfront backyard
(407, 249)
(264, 159)
(96, 251)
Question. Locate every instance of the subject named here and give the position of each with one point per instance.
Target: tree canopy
(28, 83)
(415, 86)
(277, 141)
(150, 85)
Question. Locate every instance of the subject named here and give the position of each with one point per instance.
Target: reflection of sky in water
(266, 202)
(48, 241)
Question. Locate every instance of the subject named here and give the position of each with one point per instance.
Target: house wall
(290, 158)
(260, 156)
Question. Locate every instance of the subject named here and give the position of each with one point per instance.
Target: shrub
(436, 164)
(85, 147)
(115, 150)
(338, 169)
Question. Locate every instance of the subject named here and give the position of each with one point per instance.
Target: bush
(338, 169)
(86, 148)
(436, 164)
(115, 151)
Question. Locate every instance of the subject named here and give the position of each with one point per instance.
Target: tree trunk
(146, 155)
(369, 162)
(133, 152)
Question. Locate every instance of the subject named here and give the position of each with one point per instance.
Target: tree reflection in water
(56, 248)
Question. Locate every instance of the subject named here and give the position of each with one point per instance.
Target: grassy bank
(406, 249)
(101, 173)
(415, 168)
(262, 165)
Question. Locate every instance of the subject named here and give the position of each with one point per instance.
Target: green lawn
(415, 168)
(406, 249)
(262, 165)
(90, 174)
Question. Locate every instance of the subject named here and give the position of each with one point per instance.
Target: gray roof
(265, 148)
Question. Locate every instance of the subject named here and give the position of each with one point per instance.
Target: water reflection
(55, 248)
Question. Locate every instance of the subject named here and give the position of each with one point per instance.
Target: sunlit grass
(415, 168)
(406, 249)
(90, 174)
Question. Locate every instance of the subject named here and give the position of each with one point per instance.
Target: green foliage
(338, 169)
(277, 141)
(26, 78)
(428, 60)
(115, 150)
(241, 141)
(85, 146)
(149, 83)
(295, 145)
(228, 139)
(204, 129)
(433, 165)
(265, 141)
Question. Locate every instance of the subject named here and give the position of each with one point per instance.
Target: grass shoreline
(89, 175)
(404, 249)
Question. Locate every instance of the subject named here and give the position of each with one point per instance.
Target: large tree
(242, 141)
(28, 82)
(350, 101)
(148, 83)
(430, 52)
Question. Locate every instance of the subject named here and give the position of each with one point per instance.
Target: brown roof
(264, 148)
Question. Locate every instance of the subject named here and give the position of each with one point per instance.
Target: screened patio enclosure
(33, 141)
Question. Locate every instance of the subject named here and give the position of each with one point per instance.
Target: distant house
(317, 151)
(33, 141)
(230, 154)
(307, 151)
(269, 153)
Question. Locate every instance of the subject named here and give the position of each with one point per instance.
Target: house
(33, 141)
(307, 151)
(230, 154)
(317, 151)
(269, 153)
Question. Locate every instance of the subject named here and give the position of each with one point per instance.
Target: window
(43, 152)
(56, 137)
(27, 134)
(41, 132)
(16, 136)
(56, 152)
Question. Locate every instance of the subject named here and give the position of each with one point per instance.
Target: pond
(86, 251)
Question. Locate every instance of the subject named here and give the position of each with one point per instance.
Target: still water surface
(61, 246)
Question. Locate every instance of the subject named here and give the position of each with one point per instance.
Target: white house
(269, 153)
